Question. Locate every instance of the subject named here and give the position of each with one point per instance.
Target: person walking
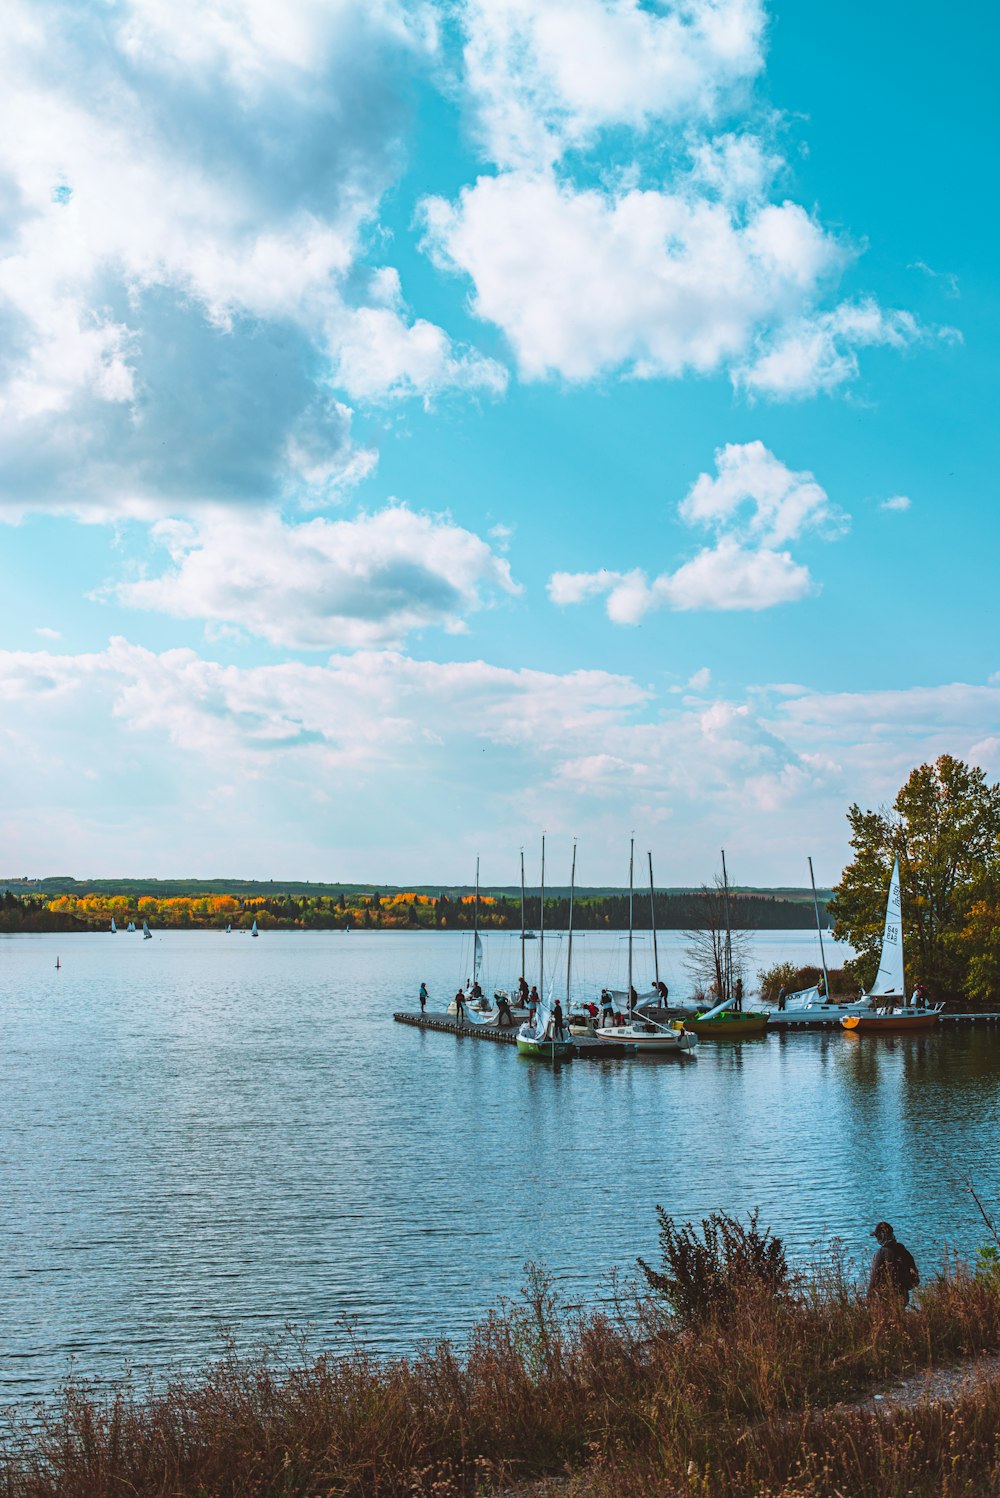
(423, 996)
(894, 1270)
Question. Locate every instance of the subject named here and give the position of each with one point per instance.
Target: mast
(569, 945)
(475, 931)
(522, 915)
(819, 932)
(727, 979)
(541, 931)
(631, 855)
(652, 919)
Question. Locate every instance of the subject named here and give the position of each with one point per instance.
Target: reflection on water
(205, 1132)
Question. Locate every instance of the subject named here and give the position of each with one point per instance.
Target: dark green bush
(704, 1271)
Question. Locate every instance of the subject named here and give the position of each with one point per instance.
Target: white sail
(889, 979)
(146, 933)
(477, 960)
(253, 929)
(113, 926)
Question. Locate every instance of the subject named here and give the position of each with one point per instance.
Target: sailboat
(130, 926)
(809, 1006)
(253, 930)
(538, 1038)
(640, 1033)
(114, 928)
(723, 1022)
(229, 928)
(58, 964)
(889, 1010)
(147, 935)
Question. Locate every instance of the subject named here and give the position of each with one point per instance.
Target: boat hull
(729, 1026)
(545, 1050)
(643, 1045)
(889, 1024)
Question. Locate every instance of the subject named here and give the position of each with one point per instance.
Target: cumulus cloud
(322, 584)
(189, 195)
(684, 257)
(650, 282)
(754, 503)
(897, 503)
(547, 75)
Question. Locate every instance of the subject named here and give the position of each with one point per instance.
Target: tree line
(406, 910)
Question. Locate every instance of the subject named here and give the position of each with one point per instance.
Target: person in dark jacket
(894, 1270)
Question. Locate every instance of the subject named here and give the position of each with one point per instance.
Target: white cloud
(818, 352)
(898, 502)
(332, 752)
(652, 283)
(546, 75)
(755, 493)
(322, 584)
(189, 195)
(47, 633)
(754, 503)
(681, 256)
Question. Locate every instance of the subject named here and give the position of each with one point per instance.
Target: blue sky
(425, 424)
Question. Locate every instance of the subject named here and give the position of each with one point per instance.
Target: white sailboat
(253, 929)
(538, 1038)
(131, 926)
(114, 928)
(147, 935)
(886, 1006)
(640, 1033)
(809, 1006)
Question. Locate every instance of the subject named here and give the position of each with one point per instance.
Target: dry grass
(738, 1404)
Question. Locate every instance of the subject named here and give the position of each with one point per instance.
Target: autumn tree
(944, 827)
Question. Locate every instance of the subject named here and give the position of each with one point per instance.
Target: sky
(427, 424)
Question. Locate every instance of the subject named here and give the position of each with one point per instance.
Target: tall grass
(736, 1400)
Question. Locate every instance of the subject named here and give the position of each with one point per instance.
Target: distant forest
(93, 910)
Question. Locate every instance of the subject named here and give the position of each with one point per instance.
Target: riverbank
(766, 1391)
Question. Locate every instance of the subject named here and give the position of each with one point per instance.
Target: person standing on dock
(607, 1008)
(894, 1270)
(738, 995)
(557, 1021)
(423, 996)
(459, 1007)
(532, 1004)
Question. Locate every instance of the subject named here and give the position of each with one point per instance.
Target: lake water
(206, 1132)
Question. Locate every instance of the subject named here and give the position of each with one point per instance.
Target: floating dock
(596, 1049)
(505, 1035)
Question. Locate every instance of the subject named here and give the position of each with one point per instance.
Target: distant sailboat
(131, 926)
(58, 964)
(147, 935)
(114, 928)
(229, 930)
(253, 930)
